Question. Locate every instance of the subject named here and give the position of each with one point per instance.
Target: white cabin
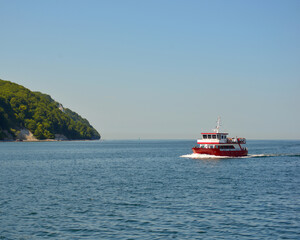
(213, 138)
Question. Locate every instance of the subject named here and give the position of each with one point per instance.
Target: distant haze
(161, 69)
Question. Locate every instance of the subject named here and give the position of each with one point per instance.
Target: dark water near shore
(145, 190)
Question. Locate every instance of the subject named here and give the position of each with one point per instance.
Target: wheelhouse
(218, 136)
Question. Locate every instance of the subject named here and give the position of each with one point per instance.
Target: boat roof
(215, 133)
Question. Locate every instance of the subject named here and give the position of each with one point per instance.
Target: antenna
(216, 130)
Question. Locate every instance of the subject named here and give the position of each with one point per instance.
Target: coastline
(50, 140)
(25, 135)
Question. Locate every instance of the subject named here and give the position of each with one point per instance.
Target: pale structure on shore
(26, 135)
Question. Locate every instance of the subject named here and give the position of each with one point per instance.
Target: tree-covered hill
(45, 118)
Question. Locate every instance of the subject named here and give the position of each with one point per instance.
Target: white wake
(202, 156)
(207, 156)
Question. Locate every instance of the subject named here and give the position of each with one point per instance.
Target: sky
(161, 69)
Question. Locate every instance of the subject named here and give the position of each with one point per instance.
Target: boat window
(211, 146)
(204, 136)
(227, 147)
(209, 136)
(214, 136)
(219, 136)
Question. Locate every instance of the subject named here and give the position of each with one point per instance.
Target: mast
(216, 130)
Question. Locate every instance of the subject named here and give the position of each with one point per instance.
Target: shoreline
(50, 140)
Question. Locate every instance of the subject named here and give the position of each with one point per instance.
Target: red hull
(218, 152)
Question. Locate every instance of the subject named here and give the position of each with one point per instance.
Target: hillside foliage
(39, 113)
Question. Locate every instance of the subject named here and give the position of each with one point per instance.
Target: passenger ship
(219, 144)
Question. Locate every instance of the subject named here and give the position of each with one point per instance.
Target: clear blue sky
(161, 69)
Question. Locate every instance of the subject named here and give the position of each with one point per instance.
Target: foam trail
(273, 155)
(202, 156)
(207, 156)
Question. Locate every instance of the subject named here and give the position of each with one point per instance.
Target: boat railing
(236, 140)
(232, 140)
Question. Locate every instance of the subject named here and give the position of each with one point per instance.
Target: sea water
(148, 190)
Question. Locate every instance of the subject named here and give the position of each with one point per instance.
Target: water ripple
(144, 190)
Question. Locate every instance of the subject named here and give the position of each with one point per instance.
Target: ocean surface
(148, 190)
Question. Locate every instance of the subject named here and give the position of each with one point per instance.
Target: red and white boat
(219, 144)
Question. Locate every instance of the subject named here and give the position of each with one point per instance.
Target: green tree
(38, 112)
